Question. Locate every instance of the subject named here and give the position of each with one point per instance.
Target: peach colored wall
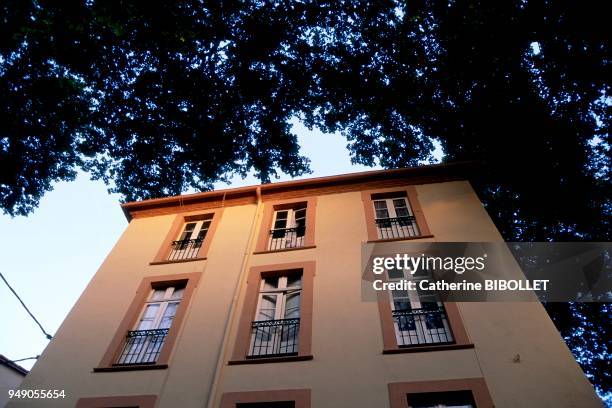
(348, 369)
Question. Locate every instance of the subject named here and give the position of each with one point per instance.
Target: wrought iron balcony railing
(185, 249)
(273, 338)
(422, 326)
(282, 238)
(142, 346)
(400, 227)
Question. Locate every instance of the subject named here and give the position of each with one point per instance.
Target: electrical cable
(47, 335)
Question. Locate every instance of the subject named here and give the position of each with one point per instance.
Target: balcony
(400, 227)
(284, 238)
(274, 338)
(142, 347)
(185, 249)
(418, 327)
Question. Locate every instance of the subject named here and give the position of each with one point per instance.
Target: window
(143, 344)
(277, 318)
(394, 218)
(287, 225)
(189, 237)
(449, 399)
(148, 330)
(394, 214)
(455, 393)
(418, 317)
(289, 228)
(189, 241)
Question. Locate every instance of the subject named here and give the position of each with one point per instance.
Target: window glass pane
(402, 212)
(203, 231)
(294, 281)
(168, 316)
(148, 317)
(381, 209)
(178, 293)
(300, 213)
(187, 231)
(401, 305)
(158, 294)
(267, 307)
(399, 294)
(270, 283)
(395, 273)
(399, 203)
(292, 306)
(280, 221)
(380, 204)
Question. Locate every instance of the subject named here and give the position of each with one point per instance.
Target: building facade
(11, 375)
(251, 298)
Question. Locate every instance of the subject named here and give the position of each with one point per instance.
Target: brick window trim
(243, 334)
(140, 401)
(399, 393)
(268, 215)
(410, 193)
(177, 226)
(301, 397)
(133, 312)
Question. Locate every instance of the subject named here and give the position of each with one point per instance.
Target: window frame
(399, 392)
(132, 316)
(301, 397)
(291, 221)
(388, 330)
(265, 334)
(410, 194)
(242, 341)
(416, 301)
(141, 401)
(269, 217)
(176, 231)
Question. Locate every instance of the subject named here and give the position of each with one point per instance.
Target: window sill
(271, 251)
(177, 261)
(399, 239)
(135, 367)
(419, 349)
(270, 360)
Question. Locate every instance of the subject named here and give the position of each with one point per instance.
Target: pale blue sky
(50, 256)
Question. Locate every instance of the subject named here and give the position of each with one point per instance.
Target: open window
(189, 237)
(287, 225)
(148, 330)
(277, 318)
(419, 318)
(189, 241)
(144, 343)
(289, 228)
(394, 217)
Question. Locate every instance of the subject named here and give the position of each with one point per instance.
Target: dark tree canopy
(159, 97)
